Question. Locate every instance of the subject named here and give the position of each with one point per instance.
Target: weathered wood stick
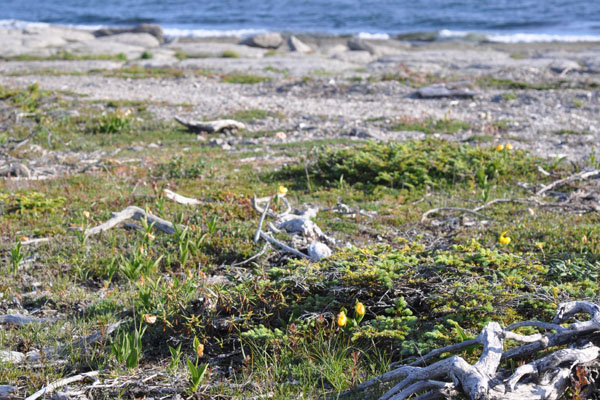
(135, 213)
(282, 245)
(210, 126)
(60, 383)
(18, 319)
(180, 199)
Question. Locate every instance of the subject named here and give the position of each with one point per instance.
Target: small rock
(265, 40)
(564, 66)
(298, 45)
(317, 251)
(445, 90)
(281, 135)
(356, 44)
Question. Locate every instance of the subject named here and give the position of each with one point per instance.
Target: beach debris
(51, 387)
(305, 233)
(180, 199)
(211, 126)
(545, 378)
(264, 40)
(133, 212)
(455, 89)
(21, 320)
(298, 45)
(562, 67)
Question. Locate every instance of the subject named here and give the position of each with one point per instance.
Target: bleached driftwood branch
(210, 126)
(544, 378)
(18, 319)
(532, 200)
(62, 382)
(180, 199)
(299, 224)
(134, 213)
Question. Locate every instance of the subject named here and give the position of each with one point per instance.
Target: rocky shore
(544, 97)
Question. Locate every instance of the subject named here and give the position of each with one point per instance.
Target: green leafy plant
(113, 122)
(127, 347)
(175, 357)
(197, 372)
(16, 257)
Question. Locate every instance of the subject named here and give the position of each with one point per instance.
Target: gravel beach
(544, 97)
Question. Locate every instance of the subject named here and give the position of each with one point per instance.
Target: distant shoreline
(441, 35)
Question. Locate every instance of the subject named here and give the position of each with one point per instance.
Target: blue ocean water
(505, 20)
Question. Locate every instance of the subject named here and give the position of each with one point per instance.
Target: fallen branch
(21, 320)
(532, 200)
(210, 126)
(437, 210)
(283, 246)
(34, 241)
(137, 214)
(544, 378)
(62, 382)
(180, 199)
(576, 177)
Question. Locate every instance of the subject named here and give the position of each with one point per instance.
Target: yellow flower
(282, 190)
(342, 319)
(504, 239)
(508, 147)
(500, 147)
(360, 309)
(23, 239)
(200, 349)
(539, 245)
(86, 214)
(150, 236)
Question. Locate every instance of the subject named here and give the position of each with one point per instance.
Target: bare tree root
(133, 212)
(544, 378)
(298, 224)
(533, 200)
(60, 383)
(177, 198)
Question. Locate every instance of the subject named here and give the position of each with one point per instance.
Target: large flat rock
(215, 49)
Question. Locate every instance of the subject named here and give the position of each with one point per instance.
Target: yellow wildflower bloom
(500, 147)
(282, 190)
(86, 214)
(342, 319)
(504, 239)
(508, 146)
(360, 308)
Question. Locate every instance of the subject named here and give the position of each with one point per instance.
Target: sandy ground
(335, 91)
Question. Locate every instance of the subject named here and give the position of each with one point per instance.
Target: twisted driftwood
(137, 214)
(210, 126)
(299, 224)
(544, 378)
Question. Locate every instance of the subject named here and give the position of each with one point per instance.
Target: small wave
(516, 37)
(176, 32)
(374, 36)
(540, 37)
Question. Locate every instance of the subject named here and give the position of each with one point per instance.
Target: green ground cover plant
(276, 326)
